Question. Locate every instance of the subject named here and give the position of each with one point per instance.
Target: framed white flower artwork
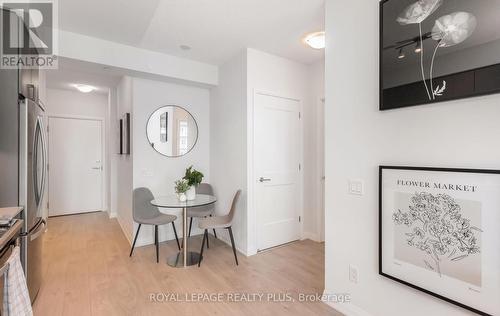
(440, 233)
(438, 50)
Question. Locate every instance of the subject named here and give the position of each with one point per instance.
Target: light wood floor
(87, 271)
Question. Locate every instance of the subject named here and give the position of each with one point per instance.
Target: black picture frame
(164, 136)
(120, 131)
(126, 134)
(381, 229)
(473, 82)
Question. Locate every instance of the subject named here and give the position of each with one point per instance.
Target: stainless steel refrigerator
(23, 163)
(32, 178)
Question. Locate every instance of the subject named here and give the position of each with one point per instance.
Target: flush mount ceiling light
(315, 40)
(84, 88)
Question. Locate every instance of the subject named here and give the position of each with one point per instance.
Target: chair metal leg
(215, 234)
(202, 246)
(232, 243)
(206, 232)
(190, 224)
(157, 244)
(135, 239)
(176, 238)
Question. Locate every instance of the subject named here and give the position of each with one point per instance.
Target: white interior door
(75, 165)
(277, 174)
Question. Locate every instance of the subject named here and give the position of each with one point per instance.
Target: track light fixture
(401, 54)
(418, 48)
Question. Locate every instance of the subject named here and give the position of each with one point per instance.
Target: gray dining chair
(225, 221)
(201, 211)
(146, 214)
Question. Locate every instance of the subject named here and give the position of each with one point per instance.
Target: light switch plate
(356, 187)
(147, 173)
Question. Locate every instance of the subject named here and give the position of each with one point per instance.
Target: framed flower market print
(438, 50)
(440, 233)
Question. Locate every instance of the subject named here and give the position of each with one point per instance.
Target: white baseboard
(124, 230)
(165, 233)
(348, 309)
(146, 239)
(226, 239)
(112, 215)
(311, 236)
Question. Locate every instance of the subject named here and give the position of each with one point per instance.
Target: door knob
(262, 179)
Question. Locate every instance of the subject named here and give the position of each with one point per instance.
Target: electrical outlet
(353, 274)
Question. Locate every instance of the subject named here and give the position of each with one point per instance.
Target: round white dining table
(183, 258)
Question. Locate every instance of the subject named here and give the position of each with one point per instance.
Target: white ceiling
(72, 72)
(216, 30)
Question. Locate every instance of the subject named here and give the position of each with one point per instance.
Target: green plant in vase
(193, 178)
(181, 187)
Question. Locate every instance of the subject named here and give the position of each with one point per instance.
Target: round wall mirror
(172, 131)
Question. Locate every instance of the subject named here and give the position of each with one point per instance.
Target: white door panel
(277, 193)
(75, 165)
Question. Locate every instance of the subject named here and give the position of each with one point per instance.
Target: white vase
(182, 197)
(191, 193)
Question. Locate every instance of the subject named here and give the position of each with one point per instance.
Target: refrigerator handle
(44, 159)
(39, 230)
(23, 152)
(34, 162)
(39, 139)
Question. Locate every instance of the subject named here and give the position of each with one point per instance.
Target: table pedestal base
(177, 260)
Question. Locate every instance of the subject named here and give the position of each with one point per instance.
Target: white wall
(75, 103)
(138, 60)
(228, 144)
(232, 134)
(112, 149)
(359, 138)
(155, 171)
(314, 152)
(123, 164)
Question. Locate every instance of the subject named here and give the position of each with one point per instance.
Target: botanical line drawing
(449, 30)
(438, 228)
(416, 13)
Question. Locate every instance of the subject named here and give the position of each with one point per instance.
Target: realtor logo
(28, 35)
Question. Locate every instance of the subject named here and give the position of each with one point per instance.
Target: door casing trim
(252, 220)
(105, 157)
